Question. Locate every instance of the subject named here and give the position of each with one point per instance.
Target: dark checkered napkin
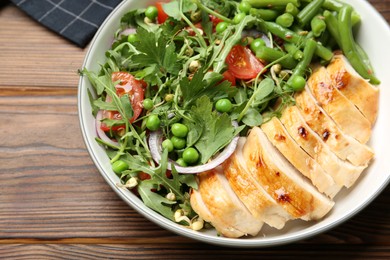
(76, 20)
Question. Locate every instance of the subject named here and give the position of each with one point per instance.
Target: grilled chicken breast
(339, 108)
(201, 209)
(281, 139)
(343, 145)
(250, 192)
(292, 167)
(356, 89)
(224, 205)
(342, 172)
(281, 180)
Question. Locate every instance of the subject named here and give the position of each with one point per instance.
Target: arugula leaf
(217, 128)
(99, 82)
(103, 105)
(127, 108)
(197, 87)
(154, 200)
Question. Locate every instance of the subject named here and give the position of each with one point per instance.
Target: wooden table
(55, 204)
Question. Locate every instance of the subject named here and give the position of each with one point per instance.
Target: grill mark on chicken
(325, 135)
(302, 132)
(280, 137)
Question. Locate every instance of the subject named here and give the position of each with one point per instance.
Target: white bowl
(374, 36)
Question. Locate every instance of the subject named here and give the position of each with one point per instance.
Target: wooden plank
(187, 251)
(33, 56)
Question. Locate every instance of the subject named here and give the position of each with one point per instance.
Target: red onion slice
(101, 134)
(155, 140)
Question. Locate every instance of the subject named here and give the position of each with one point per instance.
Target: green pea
(178, 143)
(244, 7)
(132, 38)
(221, 27)
(190, 155)
(153, 122)
(151, 12)
(297, 83)
(238, 18)
(179, 130)
(119, 166)
(223, 105)
(256, 44)
(148, 103)
(181, 162)
(285, 20)
(167, 144)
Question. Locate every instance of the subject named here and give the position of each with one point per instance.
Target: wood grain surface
(55, 205)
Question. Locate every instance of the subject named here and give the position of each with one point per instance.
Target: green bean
(309, 11)
(308, 52)
(324, 37)
(292, 9)
(348, 45)
(271, 3)
(334, 5)
(364, 56)
(285, 20)
(294, 51)
(332, 26)
(318, 25)
(268, 54)
(293, 37)
(265, 14)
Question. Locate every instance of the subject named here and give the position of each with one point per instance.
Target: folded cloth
(76, 20)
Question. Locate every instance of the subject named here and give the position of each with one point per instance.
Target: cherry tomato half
(227, 75)
(127, 85)
(242, 63)
(161, 16)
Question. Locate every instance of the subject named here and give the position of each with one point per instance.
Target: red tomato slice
(227, 75)
(162, 16)
(242, 63)
(127, 85)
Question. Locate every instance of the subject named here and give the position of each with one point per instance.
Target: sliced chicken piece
(224, 205)
(358, 90)
(281, 139)
(281, 180)
(338, 107)
(344, 146)
(201, 209)
(342, 172)
(250, 192)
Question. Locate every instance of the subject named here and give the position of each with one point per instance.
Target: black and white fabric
(76, 20)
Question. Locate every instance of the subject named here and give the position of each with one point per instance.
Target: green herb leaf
(217, 128)
(252, 118)
(127, 108)
(157, 55)
(197, 87)
(103, 105)
(99, 82)
(154, 200)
